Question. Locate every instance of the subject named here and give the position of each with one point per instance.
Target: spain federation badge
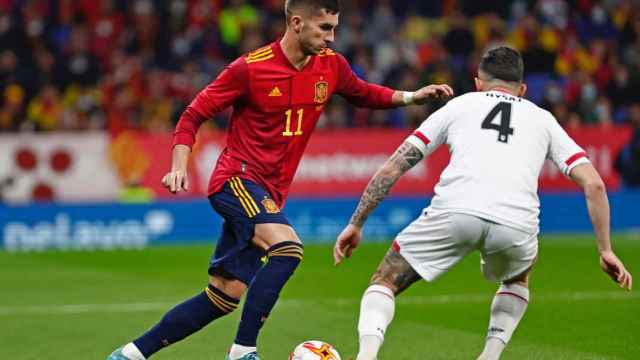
(270, 206)
(322, 92)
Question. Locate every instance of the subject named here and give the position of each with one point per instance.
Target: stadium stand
(119, 65)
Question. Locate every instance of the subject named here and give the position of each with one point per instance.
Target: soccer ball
(314, 350)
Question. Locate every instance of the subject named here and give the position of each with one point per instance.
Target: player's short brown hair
(503, 63)
(332, 6)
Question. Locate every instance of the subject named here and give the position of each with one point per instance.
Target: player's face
(317, 31)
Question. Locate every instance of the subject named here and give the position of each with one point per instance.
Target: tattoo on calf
(396, 272)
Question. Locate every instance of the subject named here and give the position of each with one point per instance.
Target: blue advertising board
(105, 226)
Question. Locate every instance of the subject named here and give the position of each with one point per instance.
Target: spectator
(622, 89)
(459, 41)
(45, 110)
(628, 161)
(119, 65)
(234, 20)
(12, 110)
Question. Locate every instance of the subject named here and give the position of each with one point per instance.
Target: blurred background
(90, 91)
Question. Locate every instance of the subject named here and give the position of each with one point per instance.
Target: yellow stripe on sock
(289, 253)
(287, 248)
(281, 253)
(229, 303)
(218, 304)
(292, 251)
(297, 256)
(216, 301)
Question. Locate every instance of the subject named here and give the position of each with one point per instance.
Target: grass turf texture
(82, 305)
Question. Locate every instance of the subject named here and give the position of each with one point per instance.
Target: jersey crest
(270, 206)
(322, 92)
(327, 52)
(261, 54)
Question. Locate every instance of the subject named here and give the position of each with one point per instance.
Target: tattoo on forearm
(406, 157)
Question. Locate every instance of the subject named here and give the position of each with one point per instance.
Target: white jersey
(498, 145)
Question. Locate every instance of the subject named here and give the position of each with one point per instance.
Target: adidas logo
(275, 92)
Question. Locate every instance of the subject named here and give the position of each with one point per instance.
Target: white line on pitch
(408, 300)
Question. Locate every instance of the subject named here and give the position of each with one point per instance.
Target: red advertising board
(341, 162)
(602, 146)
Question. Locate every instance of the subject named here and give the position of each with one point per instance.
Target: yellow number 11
(287, 127)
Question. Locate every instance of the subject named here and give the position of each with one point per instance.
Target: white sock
(376, 312)
(492, 349)
(369, 347)
(238, 351)
(507, 309)
(132, 352)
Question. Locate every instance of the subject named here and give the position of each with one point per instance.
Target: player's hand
(348, 240)
(432, 92)
(611, 265)
(176, 181)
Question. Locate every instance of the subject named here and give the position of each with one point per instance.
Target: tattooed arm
(406, 157)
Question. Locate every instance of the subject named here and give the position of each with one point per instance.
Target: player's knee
(520, 279)
(394, 272)
(267, 236)
(288, 253)
(227, 284)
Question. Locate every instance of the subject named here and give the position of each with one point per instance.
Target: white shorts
(434, 243)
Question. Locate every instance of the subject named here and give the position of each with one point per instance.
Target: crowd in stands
(136, 64)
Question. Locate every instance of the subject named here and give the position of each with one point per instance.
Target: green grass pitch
(82, 305)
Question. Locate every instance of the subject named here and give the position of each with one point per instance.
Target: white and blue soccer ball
(314, 350)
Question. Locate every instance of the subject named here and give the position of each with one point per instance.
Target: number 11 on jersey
(287, 128)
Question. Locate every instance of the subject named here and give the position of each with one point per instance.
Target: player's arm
(572, 160)
(426, 139)
(364, 94)
(422, 95)
(404, 158)
(586, 176)
(176, 179)
(230, 85)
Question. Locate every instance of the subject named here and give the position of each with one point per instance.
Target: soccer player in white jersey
(486, 200)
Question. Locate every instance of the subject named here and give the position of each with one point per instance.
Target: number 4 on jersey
(504, 129)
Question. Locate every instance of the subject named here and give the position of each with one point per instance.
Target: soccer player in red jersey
(278, 93)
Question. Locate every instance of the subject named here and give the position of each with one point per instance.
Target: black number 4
(504, 129)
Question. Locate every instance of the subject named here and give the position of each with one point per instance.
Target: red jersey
(275, 110)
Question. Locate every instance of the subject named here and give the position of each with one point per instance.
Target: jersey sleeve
(230, 85)
(563, 151)
(433, 131)
(360, 92)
